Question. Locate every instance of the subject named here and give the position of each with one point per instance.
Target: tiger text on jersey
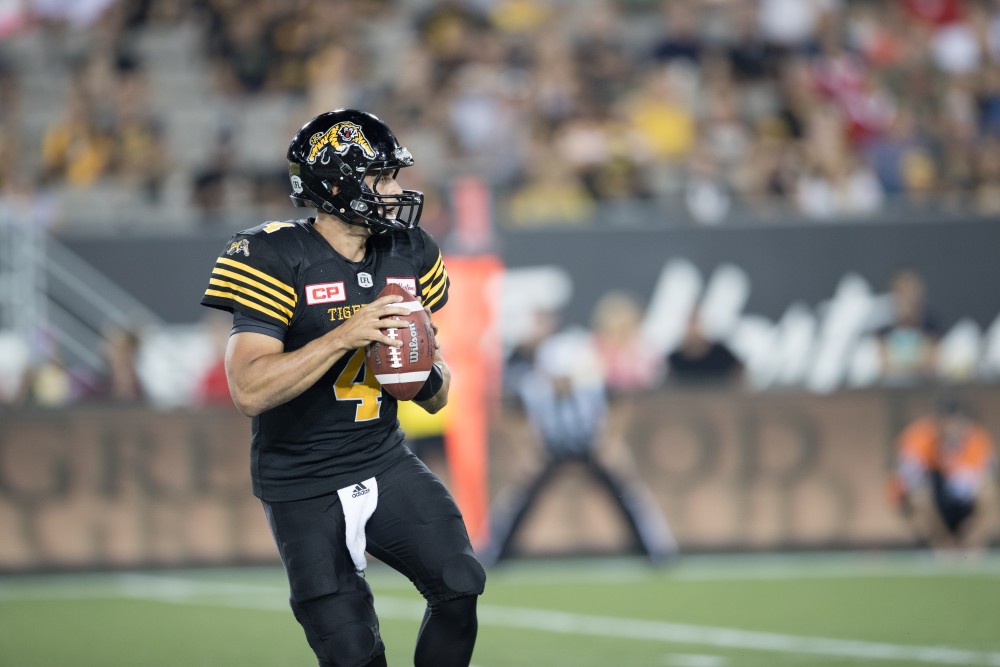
(325, 293)
(339, 313)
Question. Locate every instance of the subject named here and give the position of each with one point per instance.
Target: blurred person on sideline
(212, 386)
(46, 380)
(329, 461)
(520, 360)
(909, 342)
(701, 361)
(627, 359)
(118, 382)
(566, 405)
(945, 478)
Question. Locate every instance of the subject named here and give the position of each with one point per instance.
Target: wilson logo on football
(325, 293)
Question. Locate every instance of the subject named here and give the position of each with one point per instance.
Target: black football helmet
(341, 148)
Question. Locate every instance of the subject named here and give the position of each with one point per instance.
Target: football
(402, 371)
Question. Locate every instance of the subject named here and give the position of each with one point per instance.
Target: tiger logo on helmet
(340, 138)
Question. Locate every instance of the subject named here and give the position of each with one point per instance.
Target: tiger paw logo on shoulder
(340, 138)
(242, 246)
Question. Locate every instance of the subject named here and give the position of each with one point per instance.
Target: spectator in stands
(987, 177)
(944, 481)
(246, 53)
(211, 185)
(839, 187)
(702, 362)
(791, 25)
(707, 197)
(551, 193)
(909, 342)
(659, 111)
(625, 92)
(141, 157)
(751, 58)
(681, 39)
(79, 148)
(601, 57)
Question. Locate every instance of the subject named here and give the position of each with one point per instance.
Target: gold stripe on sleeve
(434, 269)
(433, 302)
(247, 302)
(432, 290)
(249, 292)
(260, 274)
(253, 283)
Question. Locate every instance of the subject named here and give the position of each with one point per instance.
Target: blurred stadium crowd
(165, 112)
(174, 115)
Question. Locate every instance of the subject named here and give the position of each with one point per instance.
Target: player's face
(384, 183)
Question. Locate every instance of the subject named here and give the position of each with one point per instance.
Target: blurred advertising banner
(111, 487)
(801, 305)
(767, 267)
(731, 471)
(572, 267)
(116, 487)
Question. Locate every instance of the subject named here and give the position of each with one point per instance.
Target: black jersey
(288, 277)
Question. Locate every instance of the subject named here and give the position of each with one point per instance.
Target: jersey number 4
(366, 389)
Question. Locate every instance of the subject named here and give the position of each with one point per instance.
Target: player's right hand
(366, 326)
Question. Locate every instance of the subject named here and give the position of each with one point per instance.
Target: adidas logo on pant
(359, 490)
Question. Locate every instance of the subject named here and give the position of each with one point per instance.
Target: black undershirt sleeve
(244, 323)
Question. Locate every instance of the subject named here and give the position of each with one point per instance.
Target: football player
(327, 455)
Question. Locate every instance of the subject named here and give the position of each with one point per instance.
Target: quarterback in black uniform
(328, 460)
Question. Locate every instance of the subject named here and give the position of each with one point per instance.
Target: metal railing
(47, 291)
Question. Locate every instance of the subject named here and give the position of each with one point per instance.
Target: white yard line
(750, 567)
(632, 628)
(250, 596)
(193, 591)
(694, 660)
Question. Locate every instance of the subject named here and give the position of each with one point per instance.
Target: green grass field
(724, 611)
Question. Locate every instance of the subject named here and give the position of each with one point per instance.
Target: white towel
(359, 502)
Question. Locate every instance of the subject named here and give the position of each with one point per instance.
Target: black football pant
(416, 529)
(954, 511)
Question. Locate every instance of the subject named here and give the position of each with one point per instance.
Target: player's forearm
(273, 379)
(436, 402)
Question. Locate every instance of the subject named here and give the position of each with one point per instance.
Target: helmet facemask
(381, 210)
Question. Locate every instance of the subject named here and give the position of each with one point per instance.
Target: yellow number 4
(367, 390)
